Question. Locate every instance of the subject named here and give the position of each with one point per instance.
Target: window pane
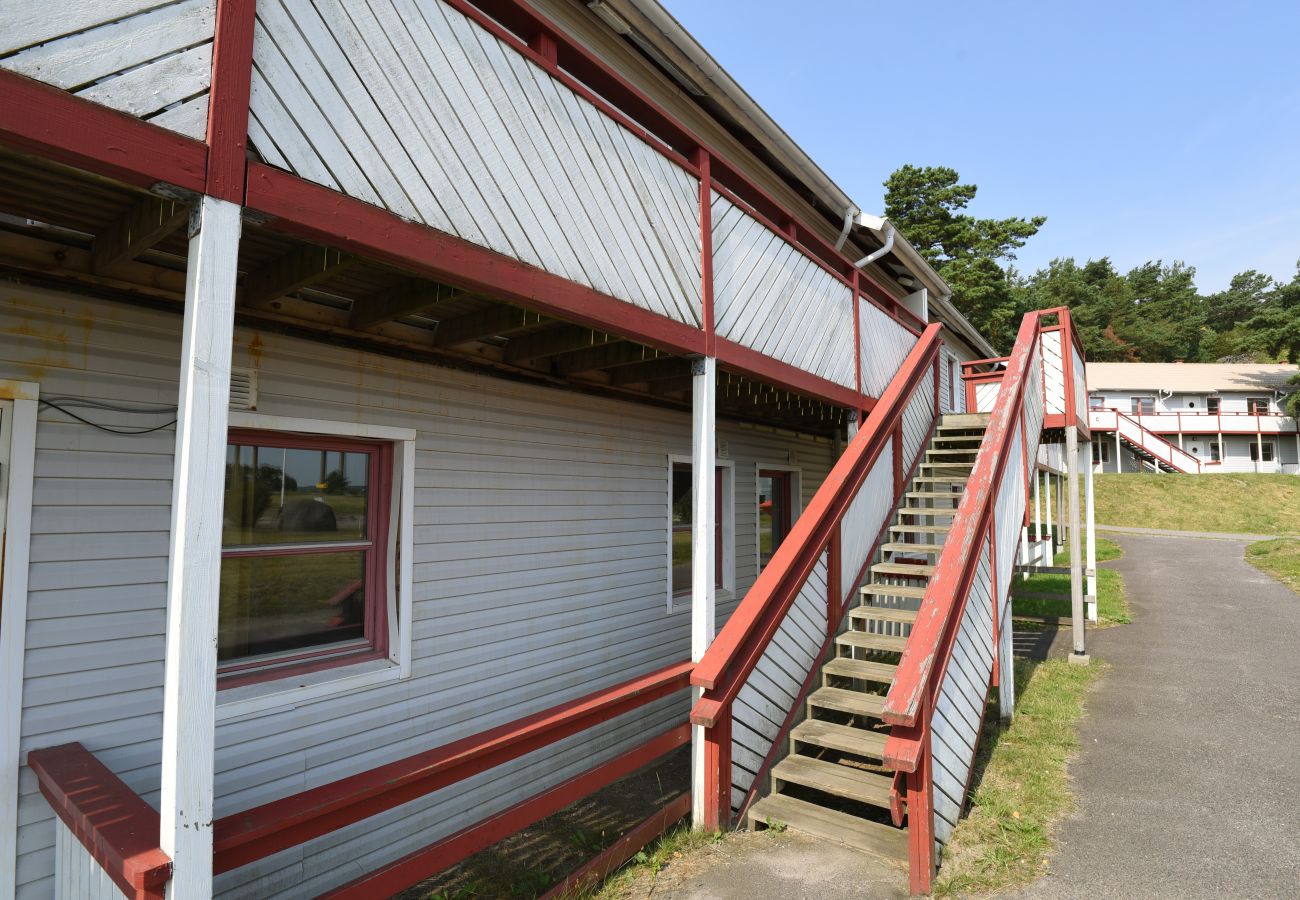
(774, 513)
(276, 495)
(275, 604)
(681, 518)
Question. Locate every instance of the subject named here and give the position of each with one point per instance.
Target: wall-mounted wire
(65, 402)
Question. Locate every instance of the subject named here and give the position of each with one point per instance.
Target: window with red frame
(683, 531)
(1257, 406)
(304, 557)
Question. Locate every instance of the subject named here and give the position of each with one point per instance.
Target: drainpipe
(850, 213)
(867, 260)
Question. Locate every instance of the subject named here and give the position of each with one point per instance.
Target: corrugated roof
(1188, 377)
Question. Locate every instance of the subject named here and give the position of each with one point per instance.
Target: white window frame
(1257, 448)
(20, 477)
(796, 500)
(728, 505)
(290, 691)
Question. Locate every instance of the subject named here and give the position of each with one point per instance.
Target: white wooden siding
(1080, 382)
(769, 694)
(412, 106)
(959, 707)
(883, 347)
(1053, 372)
(986, 395)
(80, 876)
(149, 58)
(770, 297)
(866, 515)
(918, 419)
(539, 575)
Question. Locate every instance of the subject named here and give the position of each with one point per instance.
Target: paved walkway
(1189, 778)
(1204, 535)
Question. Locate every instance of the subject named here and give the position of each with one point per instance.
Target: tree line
(1152, 313)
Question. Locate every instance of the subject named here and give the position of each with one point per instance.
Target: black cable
(106, 428)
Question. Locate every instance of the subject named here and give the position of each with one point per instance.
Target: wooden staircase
(831, 782)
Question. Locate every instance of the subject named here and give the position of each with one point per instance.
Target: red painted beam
(740, 358)
(320, 214)
(110, 820)
(232, 74)
(621, 850)
(259, 832)
(414, 868)
(52, 124)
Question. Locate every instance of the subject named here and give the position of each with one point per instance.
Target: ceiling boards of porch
(508, 158)
(63, 227)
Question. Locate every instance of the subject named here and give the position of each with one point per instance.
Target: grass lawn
(1023, 788)
(1252, 504)
(1112, 605)
(1281, 559)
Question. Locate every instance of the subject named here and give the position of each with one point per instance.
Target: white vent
(243, 388)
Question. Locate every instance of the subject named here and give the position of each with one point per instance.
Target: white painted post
(194, 568)
(1061, 533)
(703, 530)
(1091, 514)
(1038, 516)
(1076, 543)
(1119, 459)
(1051, 523)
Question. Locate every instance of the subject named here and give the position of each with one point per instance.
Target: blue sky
(1143, 130)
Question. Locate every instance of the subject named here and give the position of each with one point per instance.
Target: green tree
(927, 204)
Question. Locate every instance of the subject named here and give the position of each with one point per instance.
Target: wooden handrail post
(898, 460)
(920, 814)
(717, 782)
(834, 589)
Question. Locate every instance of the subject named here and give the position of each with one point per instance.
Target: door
(775, 511)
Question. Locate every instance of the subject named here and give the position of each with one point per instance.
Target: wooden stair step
(927, 511)
(849, 782)
(957, 438)
(893, 590)
(930, 453)
(935, 495)
(1042, 570)
(921, 529)
(922, 549)
(882, 614)
(865, 640)
(1059, 621)
(844, 738)
(831, 825)
(853, 702)
(941, 479)
(948, 465)
(861, 669)
(905, 569)
(966, 419)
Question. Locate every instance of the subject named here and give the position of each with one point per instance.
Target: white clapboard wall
(1053, 372)
(413, 107)
(770, 297)
(80, 876)
(883, 346)
(540, 575)
(147, 58)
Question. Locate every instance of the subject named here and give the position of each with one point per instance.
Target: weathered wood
(832, 778)
(142, 226)
(418, 296)
(852, 831)
(491, 322)
(651, 371)
(291, 272)
(844, 667)
(865, 640)
(840, 700)
(604, 357)
(845, 738)
(552, 341)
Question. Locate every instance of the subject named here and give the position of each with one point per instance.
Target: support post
(705, 778)
(1060, 532)
(194, 566)
(1076, 543)
(1038, 515)
(1050, 523)
(920, 816)
(1119, 464)
(1091, 513)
